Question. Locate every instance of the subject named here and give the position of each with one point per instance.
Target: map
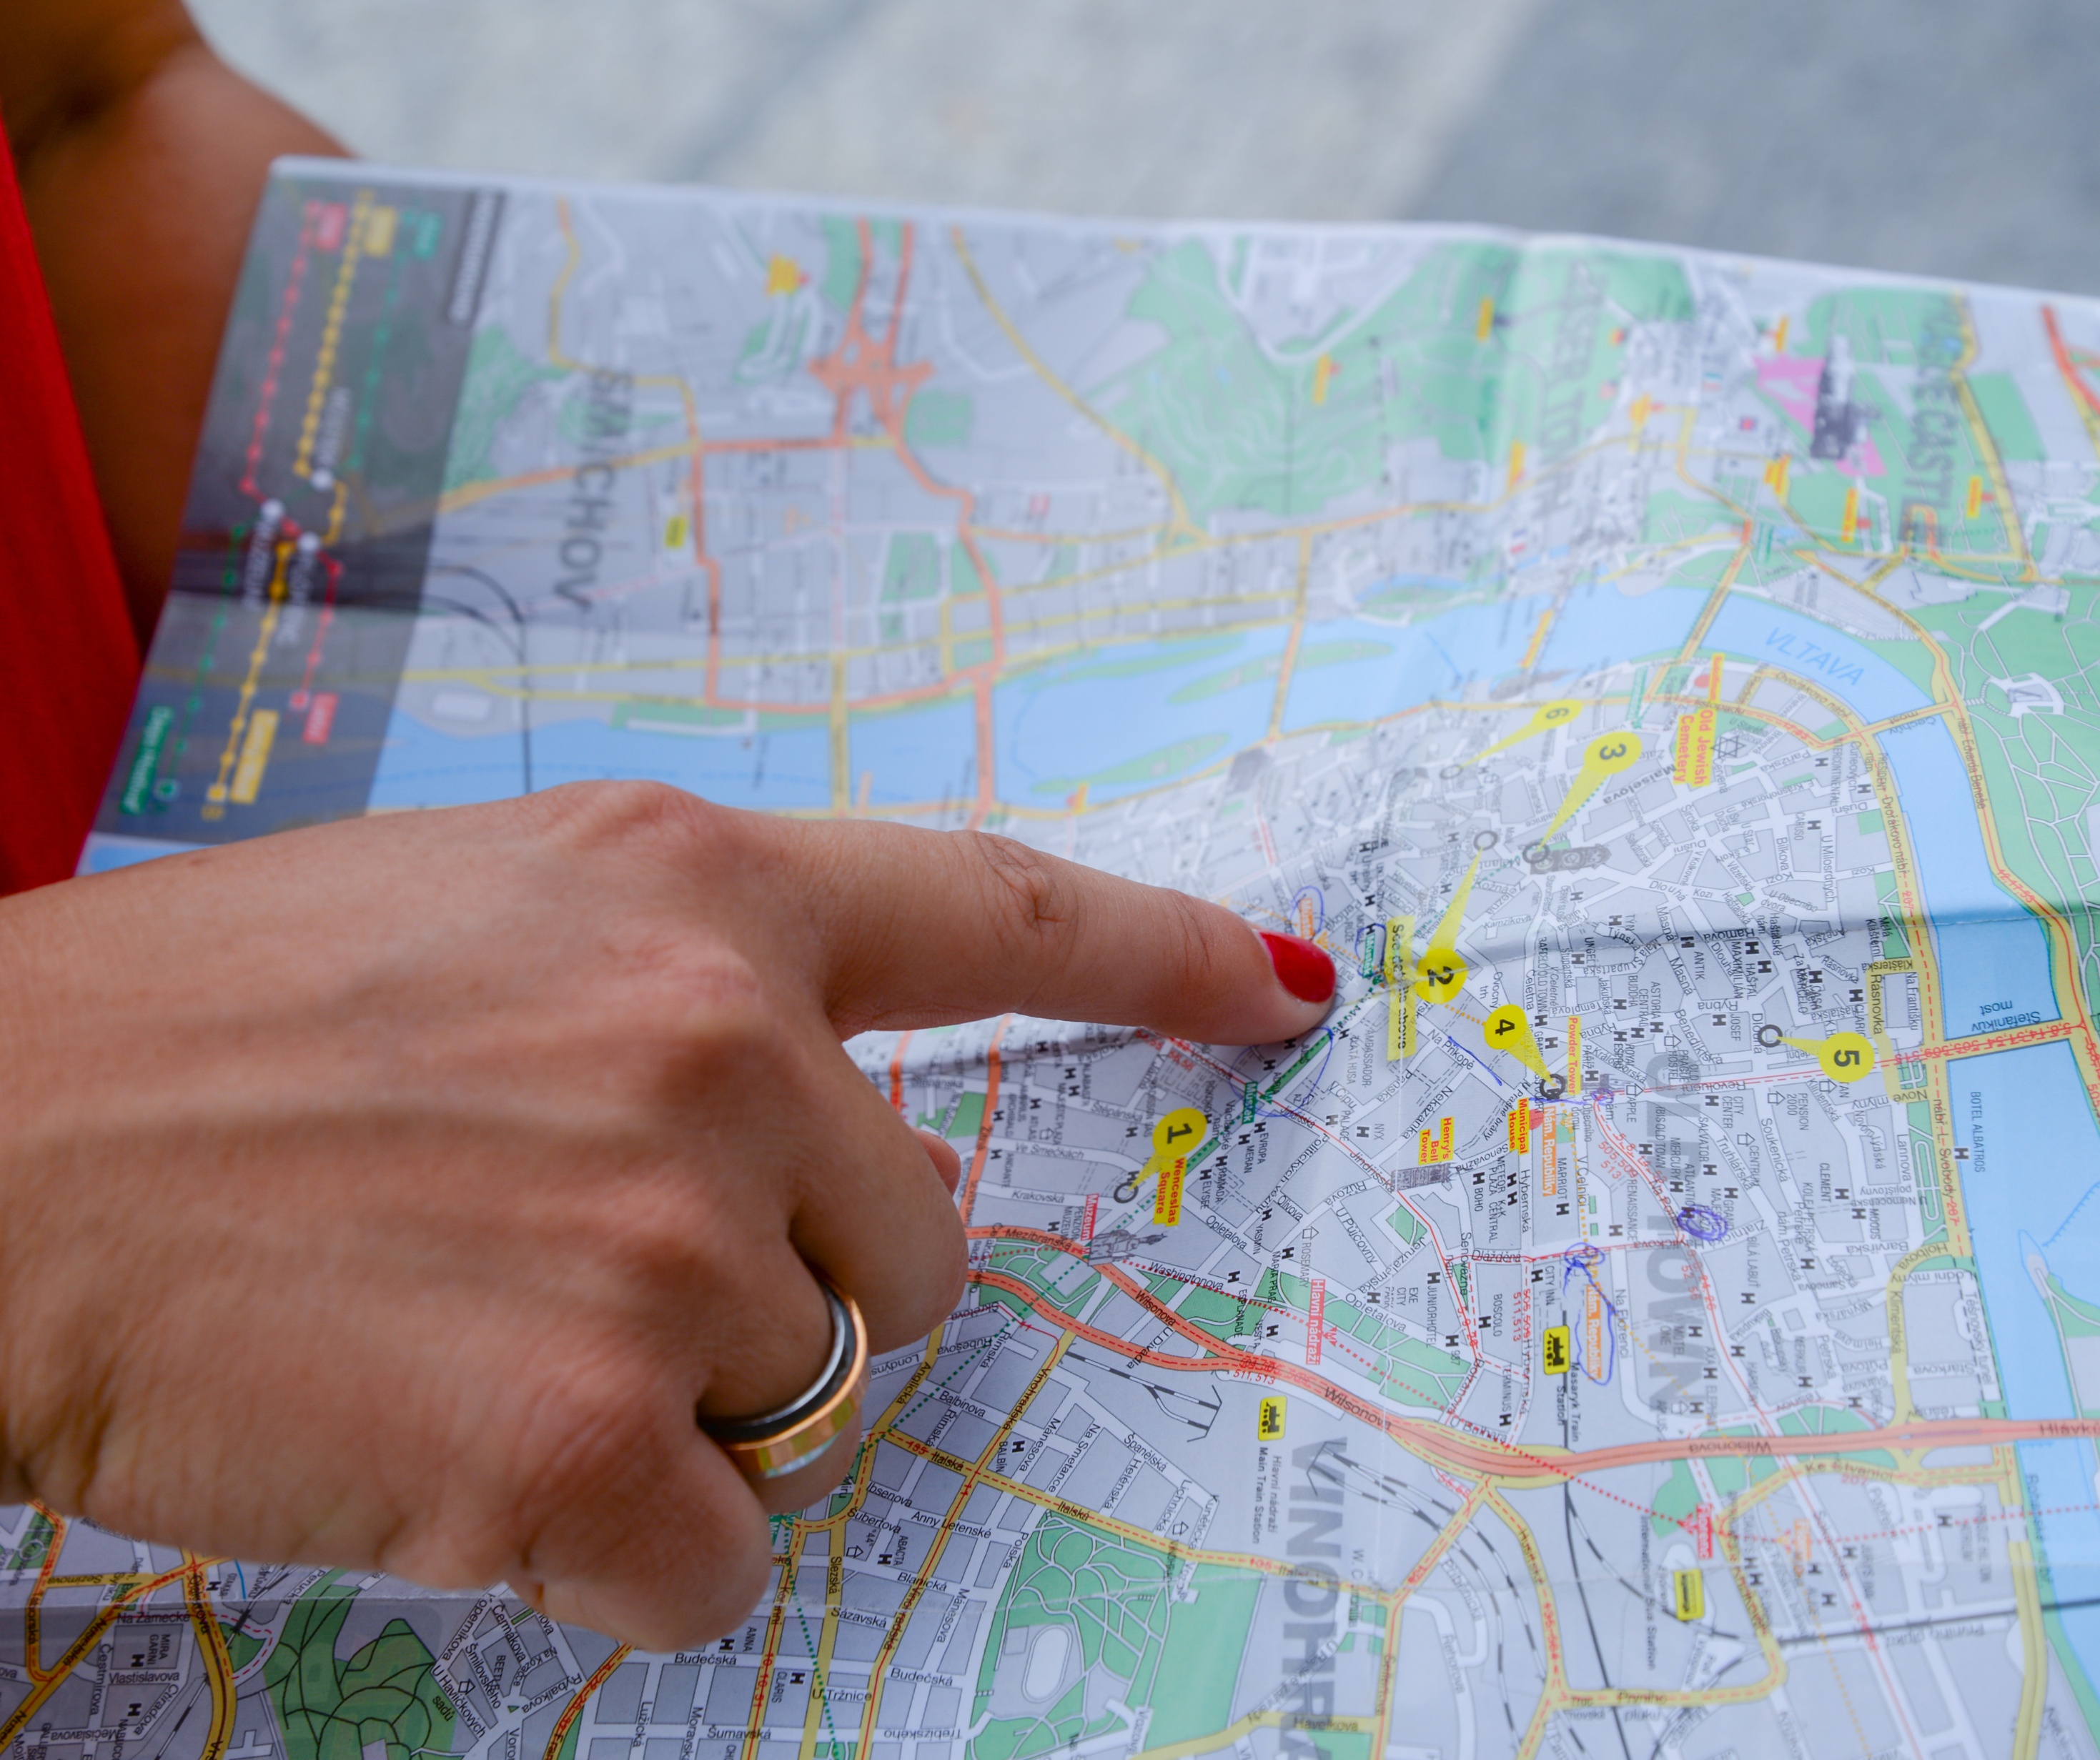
(1657, 1315)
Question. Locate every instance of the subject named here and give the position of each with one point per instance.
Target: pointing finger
(917, 927)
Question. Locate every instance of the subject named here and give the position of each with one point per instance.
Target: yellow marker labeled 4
(1508, 1029)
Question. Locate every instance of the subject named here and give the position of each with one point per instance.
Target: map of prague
(1658, 1315)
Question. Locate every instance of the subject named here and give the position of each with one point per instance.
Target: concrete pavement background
(1948, 136)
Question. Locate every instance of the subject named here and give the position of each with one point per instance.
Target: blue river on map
(1993, 955)
(1123, 719)
(2033, 1187)
(914, 756)
(422, 767)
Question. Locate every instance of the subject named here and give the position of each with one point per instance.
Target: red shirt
(69, 661)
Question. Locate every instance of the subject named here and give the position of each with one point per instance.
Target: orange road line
(973, 1476)
(983, 1151)
(574, 1709)
(48, 1681)
(217, 1663)
(1144, 1537)
(1502, 1460)
(33, 1636)
(776, 1623)
(896, 1072)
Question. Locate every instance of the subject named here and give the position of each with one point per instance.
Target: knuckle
(655, 1245)
(1202, 966)
(939, 1271)
(593, 1437)
(1032, 896)
(629, 815)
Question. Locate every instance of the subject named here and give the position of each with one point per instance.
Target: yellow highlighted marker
(1515, 464)
(1167, 1200)
(1696, 729)
(1554, 1355)
(1399, 1027)
(1606, 756)
(1440, 975)
(1399, 1003)
(1323, 375)
(1519, 1128)
(1174, 1140)
(1846, 1057)
(1179, 1132)
(1689, 1603)
(1509, 1030)
(1544, 718)
(381, 224)
(254, 756)
(1643, 407)
(1975, 496)
(1484, 326)
(1268, 1424)
(1848, 527)
(1779, 336)
(783, 274)
(1439, 1145)
(1775, 474)
(1574, 1057)
(675, 529)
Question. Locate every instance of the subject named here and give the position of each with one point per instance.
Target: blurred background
(1944, 137)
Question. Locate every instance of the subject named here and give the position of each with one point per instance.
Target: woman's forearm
(141, 155)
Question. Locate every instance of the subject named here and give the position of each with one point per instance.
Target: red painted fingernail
(1301, 968)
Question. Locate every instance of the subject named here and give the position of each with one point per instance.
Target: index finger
(917, 927)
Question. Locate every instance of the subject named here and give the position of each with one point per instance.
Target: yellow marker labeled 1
(1269, 1422)
(1174, 1140)
(1507, 1029)
(1179, 1133)
(1602, 759)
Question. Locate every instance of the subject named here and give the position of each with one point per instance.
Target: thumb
(917, 927)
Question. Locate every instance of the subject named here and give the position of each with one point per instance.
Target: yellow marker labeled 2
(1439, 975)
(1507, 1029)
(1604, 758)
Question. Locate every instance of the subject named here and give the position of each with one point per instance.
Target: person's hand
(391, 1194)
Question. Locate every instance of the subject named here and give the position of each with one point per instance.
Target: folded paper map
(1658, 1315)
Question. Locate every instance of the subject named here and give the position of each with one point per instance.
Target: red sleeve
(69, 660)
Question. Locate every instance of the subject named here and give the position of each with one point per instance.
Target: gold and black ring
(776, 1443)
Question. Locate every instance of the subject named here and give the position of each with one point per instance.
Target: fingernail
(1301, 968)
